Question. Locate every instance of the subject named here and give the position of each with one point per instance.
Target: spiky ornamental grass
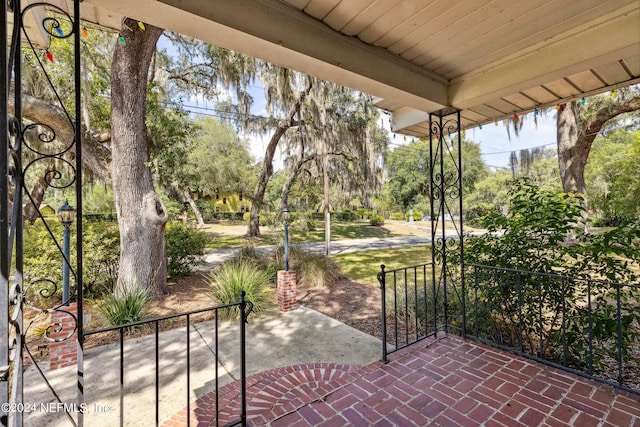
(235, 276)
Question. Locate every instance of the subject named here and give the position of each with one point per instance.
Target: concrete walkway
(274, 340)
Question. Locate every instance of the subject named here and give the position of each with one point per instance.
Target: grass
(339, 231)
(364, 266)
(221, 238)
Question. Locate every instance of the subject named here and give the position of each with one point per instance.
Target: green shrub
(234, 276)
(363, 213)
(43, 259)
(345, 215)
(375, 219)
(101, 247)
(185, 247)
(206, 209)
(246, 217)
(542, 234)
(397, 216)
(126, 308)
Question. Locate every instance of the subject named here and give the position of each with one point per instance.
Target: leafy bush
(363, 213)
(126, 308)
(397, 216)
(206, 209)
(417, 216)
(232, 277)
(43, 259)
(345, 215)
(375, 219)
(542, 234)
(101, 247)
(185, 247)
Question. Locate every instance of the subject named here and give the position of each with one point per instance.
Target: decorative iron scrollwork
(446, 206)
(29, 143)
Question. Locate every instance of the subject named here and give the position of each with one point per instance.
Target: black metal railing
(582, 325)
(156, 369)
(586, 326)
(409, 307)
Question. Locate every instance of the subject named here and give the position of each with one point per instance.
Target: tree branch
(595, 123)
(94, 155)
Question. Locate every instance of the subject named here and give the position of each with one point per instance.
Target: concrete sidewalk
(273, 340)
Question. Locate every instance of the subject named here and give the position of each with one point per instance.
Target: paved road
(217, 256)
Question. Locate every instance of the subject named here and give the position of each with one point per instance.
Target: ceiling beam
(406, 117)
(611, 38)
(275, 32)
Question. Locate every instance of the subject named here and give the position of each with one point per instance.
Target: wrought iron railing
(409, 307)
(585, 326)
(156, 369)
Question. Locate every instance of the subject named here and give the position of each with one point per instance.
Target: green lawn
(364, 266)
(231, 235)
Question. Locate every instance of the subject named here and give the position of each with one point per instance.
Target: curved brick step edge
(272, 394)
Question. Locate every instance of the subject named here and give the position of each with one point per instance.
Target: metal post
(243, 360)
(383, 297)
(286, 243)
(66, 242)
(4, 214)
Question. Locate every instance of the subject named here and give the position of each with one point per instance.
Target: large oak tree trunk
(575, 138)
(572, 154)
(141, 213)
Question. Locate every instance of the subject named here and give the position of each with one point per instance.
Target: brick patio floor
(444, 382)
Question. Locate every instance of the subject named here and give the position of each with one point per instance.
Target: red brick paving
(444, 382)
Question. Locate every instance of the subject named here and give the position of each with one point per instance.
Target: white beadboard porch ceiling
(489, 58)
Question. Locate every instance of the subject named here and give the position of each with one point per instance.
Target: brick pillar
(287, 290)
(63, 353)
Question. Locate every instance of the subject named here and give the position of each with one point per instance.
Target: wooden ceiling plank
(426, 29)
(632, 64)
(389, 25)
(581, 48)
(371, 14)
(562, 88)
(465, 30)
(586, 81)
(427, 13)
(345, 12)
(520, 101)
(498, 23)
(319, 9)
(298, 4)
(516, 36)
(502, 106)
